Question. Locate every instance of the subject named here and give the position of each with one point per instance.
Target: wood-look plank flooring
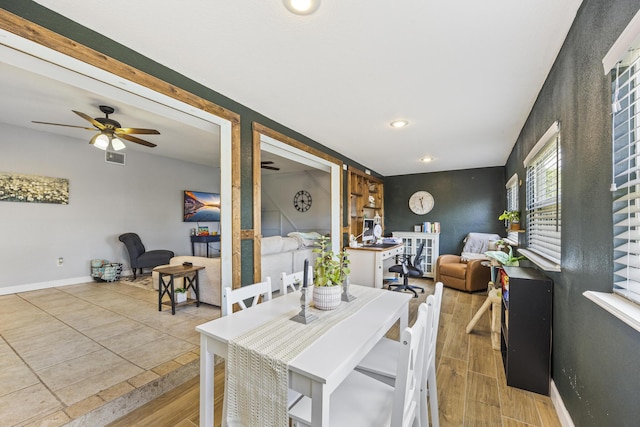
(472, 388)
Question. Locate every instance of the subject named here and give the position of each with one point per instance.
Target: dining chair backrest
(244, 293)
(288, 282)
(428, 383)
(406, 403)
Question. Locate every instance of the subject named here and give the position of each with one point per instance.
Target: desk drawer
(392, 252)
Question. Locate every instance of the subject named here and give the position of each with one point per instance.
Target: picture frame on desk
(417, 228)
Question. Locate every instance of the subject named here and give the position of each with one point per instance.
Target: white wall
(279, 216)
(105, 200)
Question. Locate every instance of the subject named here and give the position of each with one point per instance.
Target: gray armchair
(140, 257)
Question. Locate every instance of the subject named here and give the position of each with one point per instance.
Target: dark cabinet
(527, 296)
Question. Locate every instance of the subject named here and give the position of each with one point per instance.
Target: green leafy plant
(330, 269)
(511, 216)
(180, 290)
(505, 258)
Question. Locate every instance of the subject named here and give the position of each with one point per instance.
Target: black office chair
(140, 257)
(408, 269)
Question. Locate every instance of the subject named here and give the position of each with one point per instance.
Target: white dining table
(320, 368)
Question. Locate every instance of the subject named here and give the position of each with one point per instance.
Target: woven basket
(327, 297)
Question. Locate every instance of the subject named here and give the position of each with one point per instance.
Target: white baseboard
(561, 410)
(44, 285)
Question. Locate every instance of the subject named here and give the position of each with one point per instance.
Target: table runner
(258, 362)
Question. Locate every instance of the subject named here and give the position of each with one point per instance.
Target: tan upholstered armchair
(466, 272)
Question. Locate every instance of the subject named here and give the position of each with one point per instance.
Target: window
(543, 223)
(622, 62)
(626, 178)
(512, 193)
(512, 205)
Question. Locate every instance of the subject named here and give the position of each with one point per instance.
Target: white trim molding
(550, 133)
(28, 287)
(512, 181)
(542, 262)
(620, 307)
(619, 49)
(558, 404)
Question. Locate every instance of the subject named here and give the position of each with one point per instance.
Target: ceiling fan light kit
(100, 140)
(110, 133)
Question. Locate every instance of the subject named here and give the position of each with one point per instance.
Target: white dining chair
(380, 363)
(362, 401)
(289, 281)
(254, 291)
(244, 293)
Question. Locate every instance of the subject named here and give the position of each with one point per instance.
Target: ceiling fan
(110, 131)
(266, 165)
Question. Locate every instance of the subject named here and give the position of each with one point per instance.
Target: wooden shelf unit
(359, 187)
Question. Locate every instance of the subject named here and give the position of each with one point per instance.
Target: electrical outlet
(60, 262)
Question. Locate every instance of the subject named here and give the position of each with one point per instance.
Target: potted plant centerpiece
(513, 217)
(329, 271)
(180, 294)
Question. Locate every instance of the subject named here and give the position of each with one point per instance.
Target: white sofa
(208, 279)
(286, 255)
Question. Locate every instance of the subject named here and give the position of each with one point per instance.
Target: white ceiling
(464, 74)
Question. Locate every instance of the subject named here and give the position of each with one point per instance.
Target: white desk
(369, 264)
(319, 369)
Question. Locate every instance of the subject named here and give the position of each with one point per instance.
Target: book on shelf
(430, 227)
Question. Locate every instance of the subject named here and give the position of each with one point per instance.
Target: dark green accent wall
(596, 366)
(42, 16)
(595, 356)
(465, 201)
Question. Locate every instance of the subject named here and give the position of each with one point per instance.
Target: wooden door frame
(259, 130)
(47, 38)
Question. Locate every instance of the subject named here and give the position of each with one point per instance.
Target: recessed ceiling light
(399, 123)
(426, 159)
(302, 7)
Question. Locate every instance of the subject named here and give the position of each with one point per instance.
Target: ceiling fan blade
(60, 124)
(136, 140)
(127, 131)
(266, 162)
(273, 168)
(90, 120)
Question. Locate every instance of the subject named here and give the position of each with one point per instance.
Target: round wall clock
(421, 202)
(302, 201)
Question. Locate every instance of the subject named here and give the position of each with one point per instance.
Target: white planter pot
(327, 297)
(180, 297)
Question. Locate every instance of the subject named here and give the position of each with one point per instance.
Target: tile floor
(66, 351)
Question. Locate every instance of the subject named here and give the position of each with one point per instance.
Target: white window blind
(512, 193)
(544, 196)
(626, 199)
(512, 204)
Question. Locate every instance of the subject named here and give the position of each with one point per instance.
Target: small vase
(326, 297)
(180, 297)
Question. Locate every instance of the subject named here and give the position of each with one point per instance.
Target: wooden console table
(190, 278)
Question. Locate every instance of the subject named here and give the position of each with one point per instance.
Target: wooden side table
(190, 281)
